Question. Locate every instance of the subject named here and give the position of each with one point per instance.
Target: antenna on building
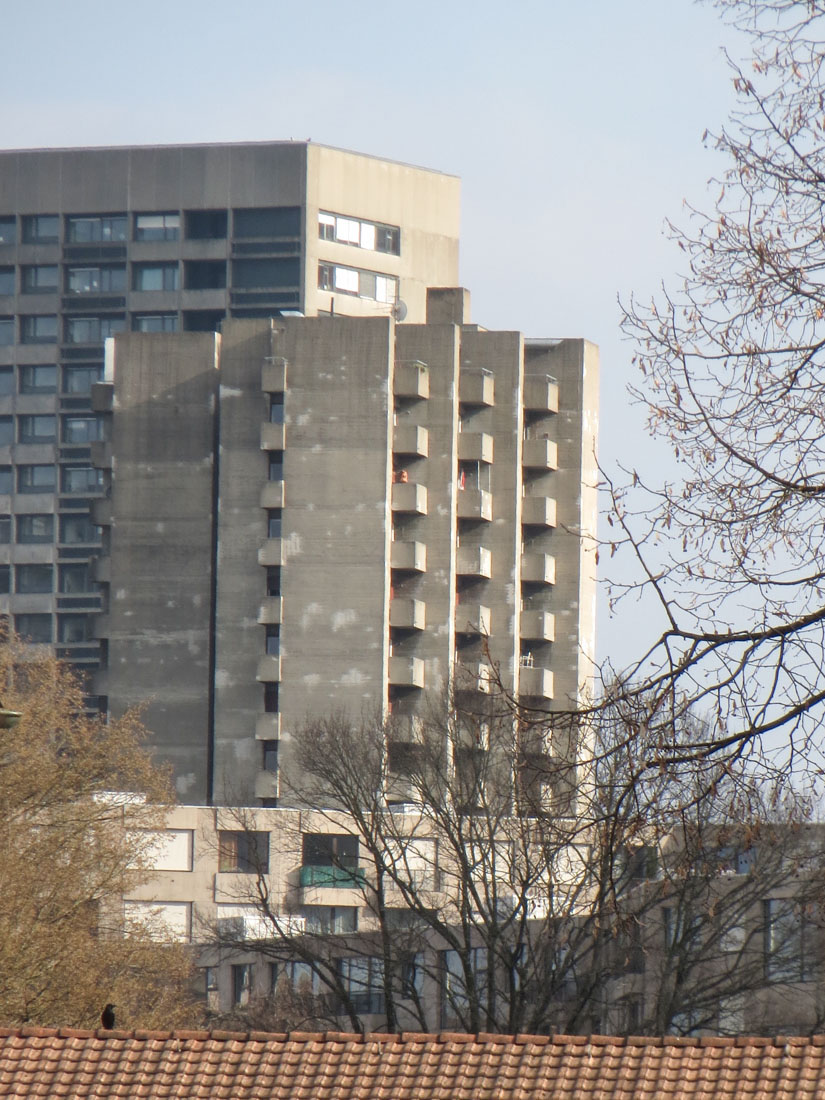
(399, 310)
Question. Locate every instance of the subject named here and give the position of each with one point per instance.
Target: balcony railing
(541, 394)
(344, 878)
(538, 512)
(410, 439)
(475, 504)
(539, 454)
(475, 447)
(476, 387)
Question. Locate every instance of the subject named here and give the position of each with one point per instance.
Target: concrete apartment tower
(314, 514)
(170, 239)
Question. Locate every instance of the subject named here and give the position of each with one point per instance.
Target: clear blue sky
(575, 127)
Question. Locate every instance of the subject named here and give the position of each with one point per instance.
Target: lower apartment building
(307, 515)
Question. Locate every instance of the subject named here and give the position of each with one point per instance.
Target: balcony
(475, 504)
(538, 512)
(408, 614)
(271, 610)
(474, 561)
(539, 626)
(474, 678)
(406, 672)
(410, 439)
(536, 682)
(101, 512)
(409, 498)
(273, 376)
(539, 454)
(538, 569)
(411, 380)
(333, 876)
(266, 785)
(102, 570)
(476, 387)
(268, 727)
(273, 436)
(102, 397)
(541, 394)
(100, 455)
(272, 494)
(473, 618)
(409, 556)
(475, 447)
(269, 670)
(271, 553)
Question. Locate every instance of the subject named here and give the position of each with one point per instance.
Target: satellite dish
(399, 310)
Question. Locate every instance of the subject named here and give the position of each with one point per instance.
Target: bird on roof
(107, 1017)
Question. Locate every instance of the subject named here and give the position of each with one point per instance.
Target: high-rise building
(163, 239)
(305, 515)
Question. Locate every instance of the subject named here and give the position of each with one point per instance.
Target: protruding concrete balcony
(269, 670)
(410, 439)
(407, 614)
(541, 394)
(102, 570)
(273, 376)
(411, 379)
(271, 553)
(411, 556)
(538, 511)
(539, 454)
(102, 396)
(472, 678)
(473, 618)
(476, 387)
(271, 610)
(266, 784)
(408, 497)
(407, 672)
(475, 504)
(101, 511)
(268, 727)
(273, 436)
(538, 568)
(475, 447)
(101, 455)
(272, 494)
(539, 626)
(536, 682)
(474, 561)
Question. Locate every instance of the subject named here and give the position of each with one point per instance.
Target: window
(254, 274)
(273, 520)
(37, 528)
(38, 379)
(276, 465)
(330, 850)
(243, 852)
(95, 280)
(374, 236)
(36, 429)
(241, 984)
(681, 930)
(154, 276)
(38, 328)
(93, 330)
(273, 640)
(302, 977)
(33, 578)
(270, 756)
(362, 284)
(40, 279)
(6, 332)
(73, 628)
(323, 919)
(273, 221)
(157, 227)
(35, 479)
(5, 579)
(6, 379)
(5, 479)
(270, 698)
(458, 986)
(154, 322)
(206, 225)
(6, 431)
(76, 578)
(363, 979)
(41, 228)
(276, 408)
(81, 379)
(204, 274)
(789, 941)
(80, 479)
(34, 628)
(6, 280)
(273, 580)
(79, 530)
(5, 529)
(84, 229)
(8, 230)
(80, 429)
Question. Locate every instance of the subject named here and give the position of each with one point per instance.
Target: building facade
(347, 514)
(166, 239)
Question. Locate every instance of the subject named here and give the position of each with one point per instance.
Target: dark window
(73, 628)
(41, 229)
(34, 628)
(6, 431)
(5, 479)
(6, 332)
(363, 979)
(270, 753)
(92, 330)
(789, 941)
(271, 698)
(8, 230)
(276, 465)
(276, 408)
(36, 429)
(243, 851)
(6, 280)
(5, 529)
(155, 277)
(154, 322)
(206, 225)
(35, 479)
(40, 279)
(327, 918)
(273, 221)
(388, 239)
(241, 984)
(38, 328)
(203, 320)
(80, 479)
(96, 228)
(326, 276)
(35, 528)
(5, 579)
(330, 850)
(273, 517)
(273, 580)
(95, 280)
(6, 377)
(204, 274)
(79, 530)
(81, 379)
(273, 640)
(33, 578)
(41, 378)
(157, 227)
(80, 429)
(76, 578)
(249, 274)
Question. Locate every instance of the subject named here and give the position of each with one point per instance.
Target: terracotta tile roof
(194, 1065)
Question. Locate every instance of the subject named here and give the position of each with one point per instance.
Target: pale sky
(576, 128)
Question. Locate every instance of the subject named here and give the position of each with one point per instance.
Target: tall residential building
(165, 239)
(312, 514)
